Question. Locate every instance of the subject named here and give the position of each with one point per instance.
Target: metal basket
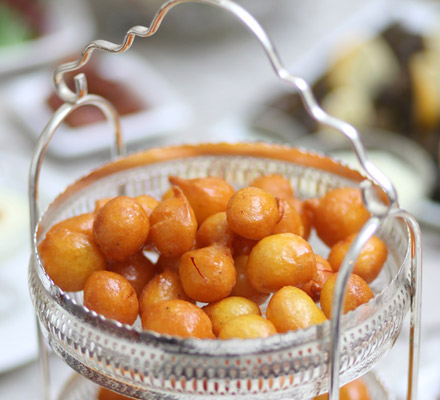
(294, 365)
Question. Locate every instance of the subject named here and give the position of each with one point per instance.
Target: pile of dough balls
(220, 254)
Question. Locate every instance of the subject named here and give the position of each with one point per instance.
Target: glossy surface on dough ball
(120, 228)
(69, 258)
(274, 184)
(164, 286)
(252, 213)
(338, 214)
(111, 295)
(243, 287)
(248, 326)
(369, 262)
(231, 307)
(207, 196)
(147, 202)
(207, 274)
(280, 260)
(137, 269)
(291, 308)
(357, 292)
(178, 318)
(173, 225)
(304, 214)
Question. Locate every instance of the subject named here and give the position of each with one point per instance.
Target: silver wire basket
(294, 365)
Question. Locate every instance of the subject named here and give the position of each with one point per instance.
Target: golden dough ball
(252, 213)
(120, 228)
(178, 318)
(207, 274)
(137, 269)
(106, 394)
(304, 214)
(357, 292)
(207, 196)
(100, 202)
(163, 263)
(338, 214)
(242, 246)
(82, 223)
(111, 295)
(274, 184)
(164, 286)
(280, 260)
(355, 390)
(243, 287)
(369, 262)
(173, 225)
(290, 308)
(231, 307)
(69, 258)
(289, 220)
(323, 271)
(147, 202)
(248, 326)
(215, 229)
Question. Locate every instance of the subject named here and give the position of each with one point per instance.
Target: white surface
(28, 104)
(67, 31)
(218, 79)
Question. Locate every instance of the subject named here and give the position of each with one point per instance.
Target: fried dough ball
(215, 229)
(173, 225)
(323, 271)
(164, 286)
(357, 292)
(231, 307)
(82, 223)
(247, 326)
(111, 295)
(369, 262)
(168, 194)
(275, 184)
(147, 202)
(137, 269)
(289, 220)
(69, 258)
(207, 196)
(178, 318)
(304, 214)
(242, 246)
(243, 287)
(120, 228)
(207, 274)
(280, 260)
(252, 213)
(338, 214)
(106, 394)
(355, 390)
(291, 308)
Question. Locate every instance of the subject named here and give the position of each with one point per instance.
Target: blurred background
(203, 77)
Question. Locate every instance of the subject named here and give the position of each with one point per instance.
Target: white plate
(70, 26)
(163, 110)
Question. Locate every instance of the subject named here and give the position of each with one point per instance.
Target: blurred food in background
(388, 82)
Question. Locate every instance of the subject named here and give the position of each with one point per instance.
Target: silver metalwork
(379, 209)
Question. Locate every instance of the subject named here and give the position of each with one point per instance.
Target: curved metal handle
(34, 173)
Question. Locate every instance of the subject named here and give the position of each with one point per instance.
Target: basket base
(80, 388)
